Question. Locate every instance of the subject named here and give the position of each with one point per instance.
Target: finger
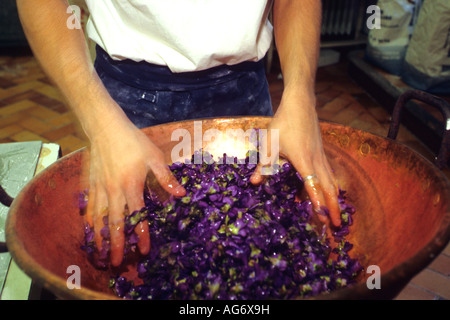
(167, 180)
(143, 233)
(116, 227)
(135, 201)
(94, 217)
(99, 223)
(331, 193)
(332, 176)
(322, 191)
(90, 208)
(314, 189)
(257, 178)
(100, 210)
(332, 203)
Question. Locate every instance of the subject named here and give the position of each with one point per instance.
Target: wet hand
(300, 142)
(120, 159)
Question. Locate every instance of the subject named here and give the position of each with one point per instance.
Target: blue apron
(151, 94)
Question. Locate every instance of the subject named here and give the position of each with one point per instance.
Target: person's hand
(300, 142)
(120, 158)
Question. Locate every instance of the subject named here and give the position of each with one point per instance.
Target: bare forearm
(64, 56)
(297, 35)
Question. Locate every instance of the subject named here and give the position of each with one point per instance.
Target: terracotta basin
(401, 224)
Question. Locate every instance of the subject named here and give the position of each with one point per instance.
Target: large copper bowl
(401, 225)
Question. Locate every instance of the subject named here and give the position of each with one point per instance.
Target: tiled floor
(31, 108)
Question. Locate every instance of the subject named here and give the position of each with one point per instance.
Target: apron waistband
(149, 76)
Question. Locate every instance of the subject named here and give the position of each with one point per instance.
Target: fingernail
(255, 178)
(116, 255)
(144, 238)
(337, 222)
(180, 191)
(144, 245)
(116, 260)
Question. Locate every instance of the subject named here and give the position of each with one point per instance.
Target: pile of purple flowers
(229, 239)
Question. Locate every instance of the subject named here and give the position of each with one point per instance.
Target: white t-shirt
(185, 35)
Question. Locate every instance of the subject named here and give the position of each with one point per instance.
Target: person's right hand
(121, 155)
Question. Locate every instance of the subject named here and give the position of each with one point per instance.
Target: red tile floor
(31, 108)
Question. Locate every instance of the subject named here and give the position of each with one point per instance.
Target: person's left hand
(300, 142)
